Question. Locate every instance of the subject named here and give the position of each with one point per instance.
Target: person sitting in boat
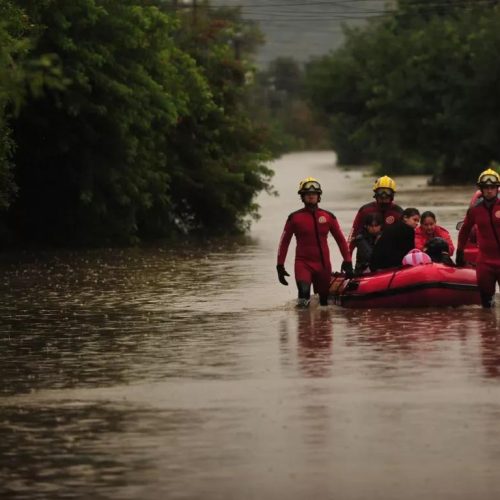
(438, 250)
(485, 214)
(384, 190)
(365, 241)
(396, 241)
(428, 229)
(311, 226)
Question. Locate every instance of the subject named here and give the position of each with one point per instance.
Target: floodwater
(187, 373)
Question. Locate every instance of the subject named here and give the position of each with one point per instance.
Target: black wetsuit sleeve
(396, 241)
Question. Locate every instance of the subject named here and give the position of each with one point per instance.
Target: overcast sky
(303, 28)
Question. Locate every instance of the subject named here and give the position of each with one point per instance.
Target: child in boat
(428, 229)
(396, 241)
(365, 241)
(439, 251)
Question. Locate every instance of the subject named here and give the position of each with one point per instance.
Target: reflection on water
(429, 337)
(57, 444)
(313, 334)
(188, 373)
(489, 330)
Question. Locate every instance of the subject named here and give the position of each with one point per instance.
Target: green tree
(145, 134)
(91, 158)
(219, 159)
(12, 48)
(415, 94)
(339, 90)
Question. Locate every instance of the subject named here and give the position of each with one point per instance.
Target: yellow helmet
(488, 178)
(384, 182)
(309, 185)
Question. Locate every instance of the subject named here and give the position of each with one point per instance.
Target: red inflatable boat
(430, 285)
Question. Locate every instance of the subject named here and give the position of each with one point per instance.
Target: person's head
(373, 223)
(310, 191)
(428, 222)
(436, 248)
(384, 189)
(488, 182)
(411, 217)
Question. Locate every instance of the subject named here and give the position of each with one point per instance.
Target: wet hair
(410, 212)
(372, 219)
(436, 246)
(438, 250)
(426, 214)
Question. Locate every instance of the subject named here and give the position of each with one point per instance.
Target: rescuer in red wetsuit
(384, 189)
(485, 214)
(311, 226)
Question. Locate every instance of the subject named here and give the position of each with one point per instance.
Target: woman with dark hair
(428, 229)
(365, 241)
(396, 241)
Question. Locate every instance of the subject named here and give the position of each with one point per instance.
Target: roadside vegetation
(415, 90)
(126, 120)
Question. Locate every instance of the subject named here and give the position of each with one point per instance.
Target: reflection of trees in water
(54, 445)
(115, 347)
(73, 450)
(402, 329)
(314, 333)
(76, 319)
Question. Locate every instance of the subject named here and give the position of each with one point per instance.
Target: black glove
(282, 273)
(460, 258)
(346, 268)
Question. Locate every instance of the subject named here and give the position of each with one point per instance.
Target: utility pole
(195, 12)
(237, 45)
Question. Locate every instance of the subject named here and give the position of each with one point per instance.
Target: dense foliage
(12, 46)
(416, 91)
(132, 122)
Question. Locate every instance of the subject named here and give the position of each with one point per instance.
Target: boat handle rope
(392, 279)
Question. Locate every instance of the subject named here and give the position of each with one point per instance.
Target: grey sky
(303, 28)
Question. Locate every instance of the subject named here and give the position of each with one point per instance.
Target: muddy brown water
(187, 373)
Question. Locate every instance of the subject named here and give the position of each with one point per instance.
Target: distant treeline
(282, 103)
(416, 90)
(123, 120)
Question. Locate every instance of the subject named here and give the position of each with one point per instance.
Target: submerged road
(187, 373)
